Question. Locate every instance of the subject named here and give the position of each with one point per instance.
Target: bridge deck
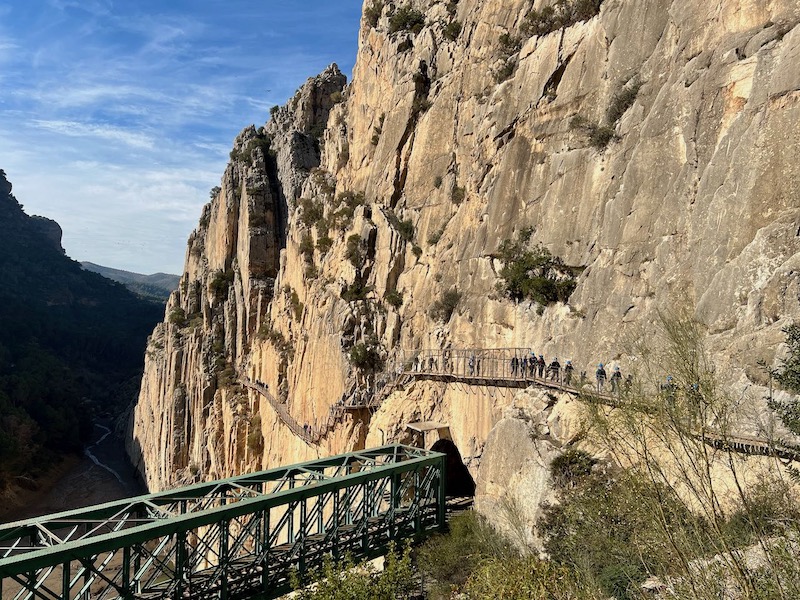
(227, 539)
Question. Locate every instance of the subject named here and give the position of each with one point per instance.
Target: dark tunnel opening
(458, 481)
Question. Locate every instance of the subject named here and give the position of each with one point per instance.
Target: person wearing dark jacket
(554, 368)
(601, 376)
(541, 364)
(568, 372)
(616, 379)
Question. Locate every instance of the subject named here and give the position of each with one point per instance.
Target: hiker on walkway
(628, 382)
(514, 366)
(616, 379)
(669, 388)
(471, 364)
(554, 369)
(541, 364)
(568, 372)
(524, 367)
(601, 376)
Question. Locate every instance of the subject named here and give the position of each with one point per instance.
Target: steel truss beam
(235, 538)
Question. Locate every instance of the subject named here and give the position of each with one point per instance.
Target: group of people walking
(536, 367)
(522, 364)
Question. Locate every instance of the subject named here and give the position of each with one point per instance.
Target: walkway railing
(311, 434)
(506, 367)
(231, 539)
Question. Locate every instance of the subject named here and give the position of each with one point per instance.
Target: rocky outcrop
(650, 147)
(50, 229)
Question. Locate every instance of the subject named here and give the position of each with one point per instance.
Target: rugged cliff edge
(652, 147)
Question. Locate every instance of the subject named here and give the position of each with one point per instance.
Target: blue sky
(117, 117)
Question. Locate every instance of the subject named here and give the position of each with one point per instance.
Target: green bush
(348, 581)
(505, 72)
(366, 357)
(457, 195)
(356, 291)
(522, 577)
(324, 243)
(337, 97)
(443, 307)
(437, 181)
(344, 209)
(306, 247)
(533, 274)
(571, 467)
(623, 100)
(599, 136)
(452, 30)
(434, 238)
(405, 228)
(416, 251)
(450, 559)
(220, 282)
(406, 18)
(295, 304)
(509, 45)
(394, 298)
(311, 212)
(354, 252)
(177, 316)
(610, 531)
(214, 192)
(372, 13)
(563, 13)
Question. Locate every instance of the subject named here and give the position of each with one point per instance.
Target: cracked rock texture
(692, 207)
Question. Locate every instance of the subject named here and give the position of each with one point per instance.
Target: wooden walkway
(490, 368)
(309, 434)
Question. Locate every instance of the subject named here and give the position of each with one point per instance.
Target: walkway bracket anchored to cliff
(230, 539)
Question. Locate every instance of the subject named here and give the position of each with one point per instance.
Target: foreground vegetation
(663, 509)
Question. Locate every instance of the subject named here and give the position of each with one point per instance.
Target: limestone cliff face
(318, 257)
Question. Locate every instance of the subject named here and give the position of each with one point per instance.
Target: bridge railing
(477, 363)
(234, 538)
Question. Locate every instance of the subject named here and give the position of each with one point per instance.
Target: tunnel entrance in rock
(458, 481)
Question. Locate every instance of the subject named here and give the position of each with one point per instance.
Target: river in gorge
(102, 474)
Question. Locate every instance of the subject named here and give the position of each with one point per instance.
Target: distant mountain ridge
(157, 286)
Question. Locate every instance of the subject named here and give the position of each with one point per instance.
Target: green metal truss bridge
(229, 539)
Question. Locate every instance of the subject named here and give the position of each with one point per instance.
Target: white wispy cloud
(105, 132)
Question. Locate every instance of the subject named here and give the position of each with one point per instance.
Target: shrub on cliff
(406, 18)
(354, 251)
(344, 209)
(452, 30)
(220, 282)
(623, 100)
(367, 356)
(372, 13)
(561, 14)
(443, 307)
(533, 274)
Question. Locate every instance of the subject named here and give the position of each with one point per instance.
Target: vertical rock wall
(340, 222)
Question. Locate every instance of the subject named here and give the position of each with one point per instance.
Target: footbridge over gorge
(232, 539)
